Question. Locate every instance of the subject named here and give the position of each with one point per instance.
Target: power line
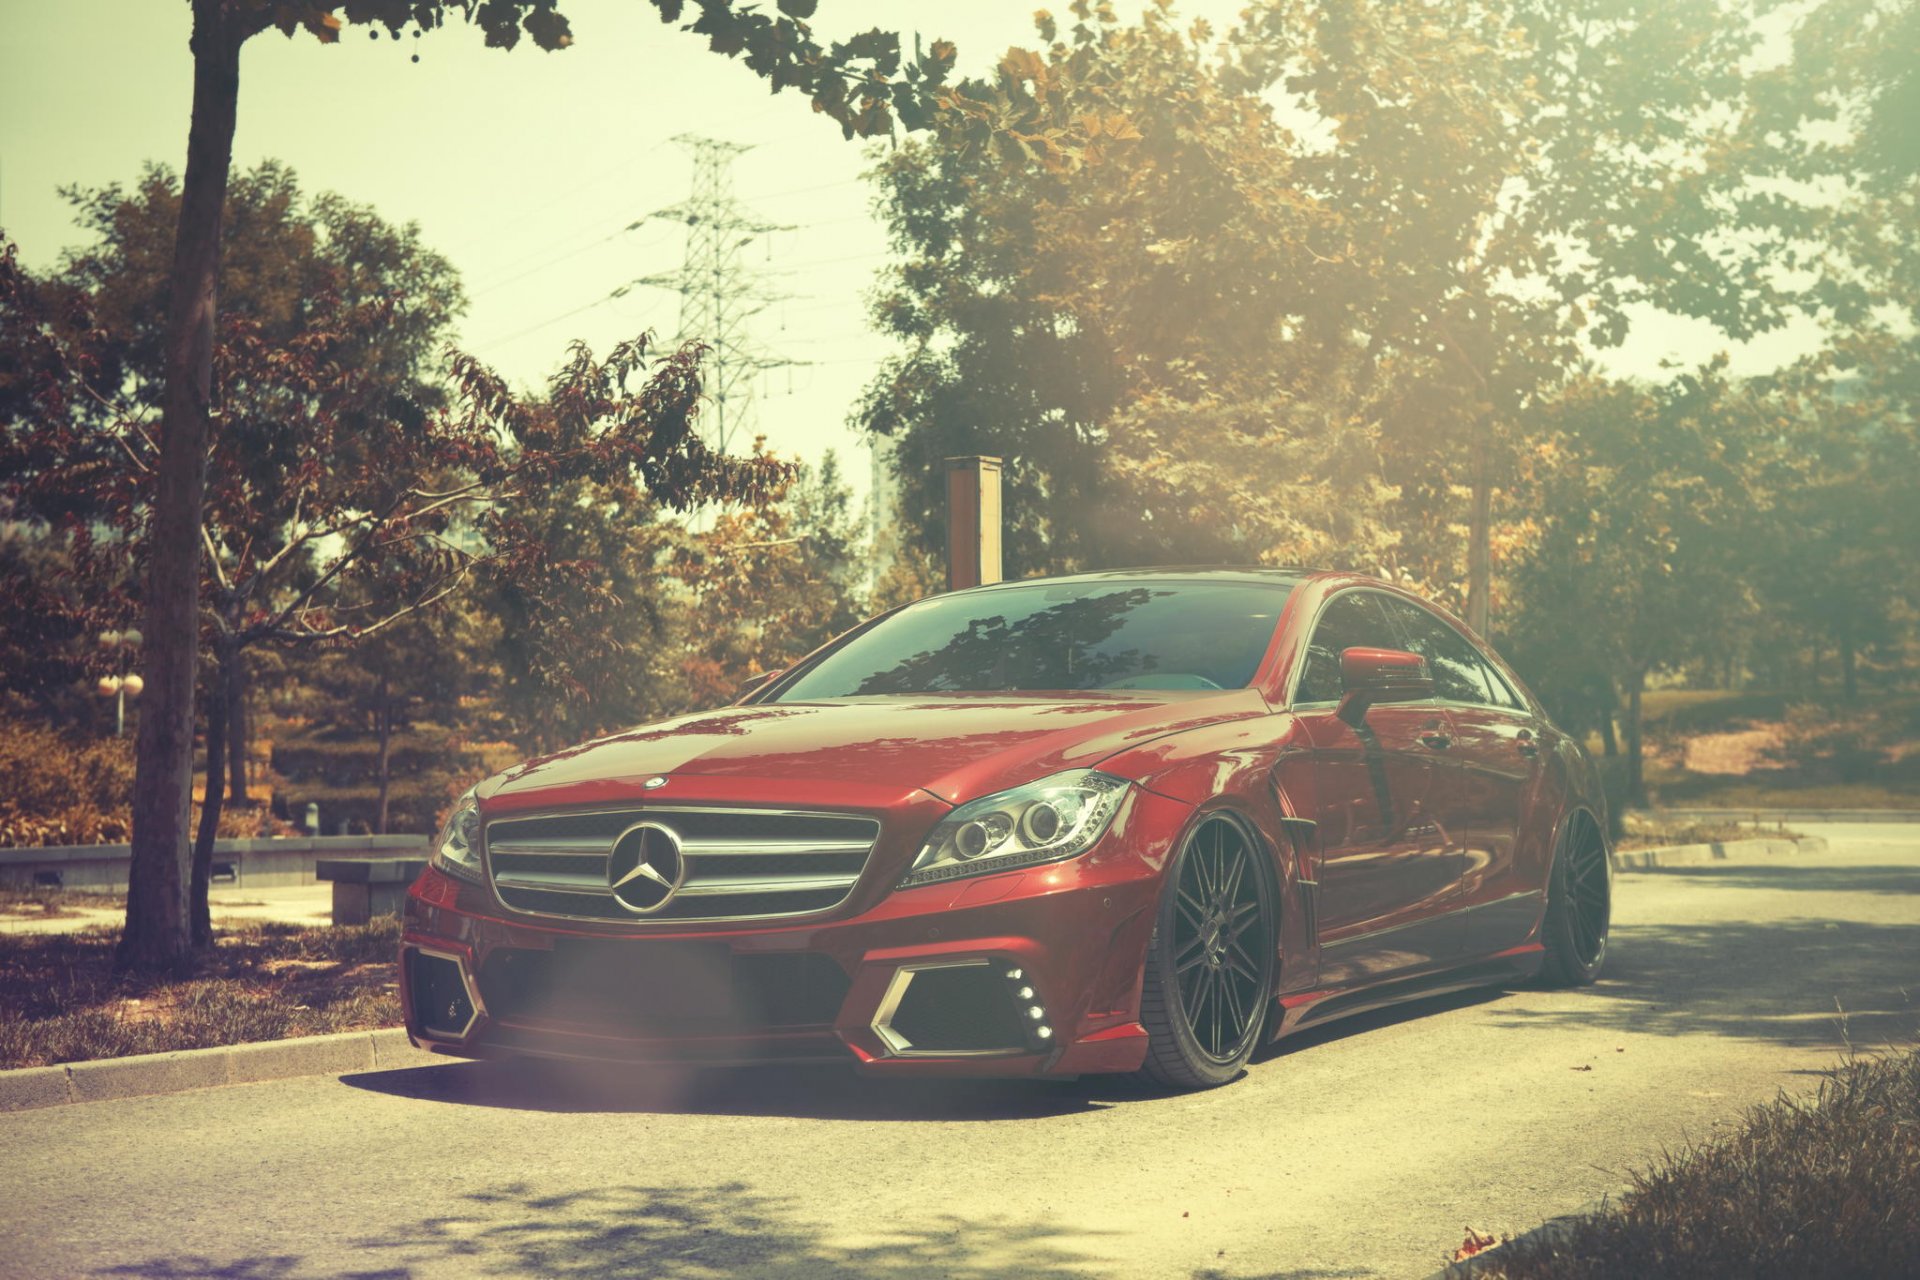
(801, 191)
(534, 328)
(598, 179)
(563, 257)
(553, 320)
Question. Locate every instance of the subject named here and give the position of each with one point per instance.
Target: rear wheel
(1579, 906)
(1210, 966)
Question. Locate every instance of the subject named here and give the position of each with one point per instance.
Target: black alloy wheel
(1579, 905)
(1210, 968)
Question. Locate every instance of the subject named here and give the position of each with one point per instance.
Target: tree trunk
(1636, 775)
(1480, 529)
(1609, 744)
(1849, 674)
(217, 718)
(237, 737)
(385, 714)
(158, 933)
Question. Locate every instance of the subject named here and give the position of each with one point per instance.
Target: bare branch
(447, 587)
(213, 559)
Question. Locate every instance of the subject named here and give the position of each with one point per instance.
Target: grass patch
(58, 903)
(1689, 711)
(61, 1002)
(1827, 1185)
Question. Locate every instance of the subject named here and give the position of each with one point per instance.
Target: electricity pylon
(719, 295)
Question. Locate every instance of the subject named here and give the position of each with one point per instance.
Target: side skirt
(1315, 1008)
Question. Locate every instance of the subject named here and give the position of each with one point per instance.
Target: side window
(1459, 675)
(1351, 620)
(1504, 694)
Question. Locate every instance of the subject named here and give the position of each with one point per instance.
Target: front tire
(1579, 906)
(1210, 966)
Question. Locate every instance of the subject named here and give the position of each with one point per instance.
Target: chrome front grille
(738, 863)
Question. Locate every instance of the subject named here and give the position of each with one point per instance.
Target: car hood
(957, 747)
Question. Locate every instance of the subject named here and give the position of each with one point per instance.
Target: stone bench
(367, 887)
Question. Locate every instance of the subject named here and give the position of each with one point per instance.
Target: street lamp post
(121, 684)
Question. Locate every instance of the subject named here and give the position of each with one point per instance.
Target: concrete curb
(1554, 1228)
(1697, 855)
(153, 1073)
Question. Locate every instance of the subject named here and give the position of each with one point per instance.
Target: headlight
(455, 850)
(1044, 821)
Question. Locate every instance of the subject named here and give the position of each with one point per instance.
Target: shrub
(62, 789)
(1806, 1188)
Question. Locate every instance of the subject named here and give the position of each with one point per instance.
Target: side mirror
(1381, 675)
(756, 684)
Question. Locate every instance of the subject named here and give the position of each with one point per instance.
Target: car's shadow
(819, 1092)
(1312, 1037)
(803, 1092)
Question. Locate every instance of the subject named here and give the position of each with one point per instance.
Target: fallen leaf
(1477, 1242)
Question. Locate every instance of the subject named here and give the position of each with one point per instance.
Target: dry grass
(61, 1002)
(1826, 1186)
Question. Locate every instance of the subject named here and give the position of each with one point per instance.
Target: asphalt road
(1360, 1151)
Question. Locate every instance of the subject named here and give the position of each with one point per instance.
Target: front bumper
(1029, 972)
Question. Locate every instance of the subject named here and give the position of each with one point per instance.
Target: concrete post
(973, 522)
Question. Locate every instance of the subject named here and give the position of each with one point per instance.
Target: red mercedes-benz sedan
(1126, 821)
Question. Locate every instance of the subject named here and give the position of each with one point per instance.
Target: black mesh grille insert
(712, 865)
(583, 864)
(663, 986)
(439, 996)
(954, 1009)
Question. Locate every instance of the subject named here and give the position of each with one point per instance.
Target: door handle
(1528, 745)
(1437, 739)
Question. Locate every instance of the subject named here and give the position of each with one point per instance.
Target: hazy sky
(526, 168)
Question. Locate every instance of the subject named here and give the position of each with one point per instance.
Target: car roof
(1276, 576)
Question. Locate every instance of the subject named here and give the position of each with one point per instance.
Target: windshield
(1059, 636)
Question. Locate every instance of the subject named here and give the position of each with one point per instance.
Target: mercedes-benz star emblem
(645, 867)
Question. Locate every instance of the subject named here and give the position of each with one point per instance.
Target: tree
(1512, 181)
(1834, 123)
(583, 645)
(1135, 326)
(419, 669)
(377, 506)
(293, 266)
(856, 83)
(1646, 502)
(764, 586)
